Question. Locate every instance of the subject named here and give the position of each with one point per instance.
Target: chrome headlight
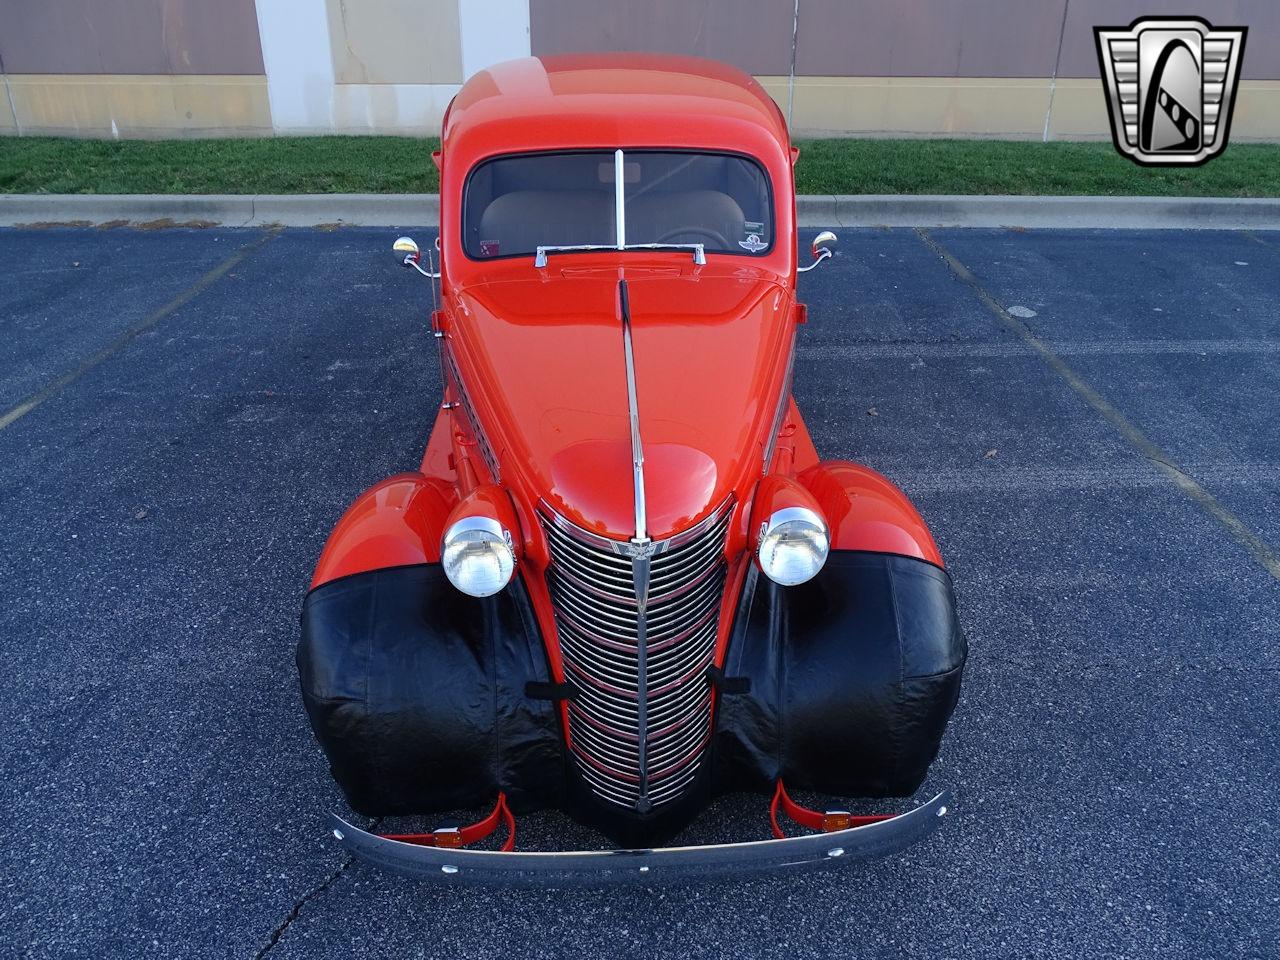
(793, 545)
(477, 556)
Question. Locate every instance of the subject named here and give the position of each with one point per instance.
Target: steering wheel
(717, 239)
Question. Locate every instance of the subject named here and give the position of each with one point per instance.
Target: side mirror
(821, 242)
(407, 253)
(821, 249)
(407, 250)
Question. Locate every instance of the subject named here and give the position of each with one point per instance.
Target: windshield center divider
(620, 199)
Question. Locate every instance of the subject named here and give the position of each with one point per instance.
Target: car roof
(622, 99)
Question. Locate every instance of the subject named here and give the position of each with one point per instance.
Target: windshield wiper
(540, 260)
(699, 253)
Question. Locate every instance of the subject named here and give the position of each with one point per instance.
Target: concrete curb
(1127, 213)
(218, 209)
(416, 210)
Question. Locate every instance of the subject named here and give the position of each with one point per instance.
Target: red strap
(461, 836)
(827, 822)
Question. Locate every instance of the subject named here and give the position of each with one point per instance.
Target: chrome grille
(592, 591)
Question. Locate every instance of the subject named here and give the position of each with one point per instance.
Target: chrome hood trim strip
(633, 409)
(641, 545)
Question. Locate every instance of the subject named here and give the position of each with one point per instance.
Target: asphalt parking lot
(1088, 420)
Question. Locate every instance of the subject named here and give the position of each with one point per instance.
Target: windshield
(514, 205)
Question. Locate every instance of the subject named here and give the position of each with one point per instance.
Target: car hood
(543, 360)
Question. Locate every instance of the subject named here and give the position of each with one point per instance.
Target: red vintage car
(622, 581)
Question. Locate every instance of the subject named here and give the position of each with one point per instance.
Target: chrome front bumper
(598, 868)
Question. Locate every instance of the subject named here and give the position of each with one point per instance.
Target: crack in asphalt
(1258, 548)
(1259, 240)
(282, 927)
(139, 328)
(296, 910)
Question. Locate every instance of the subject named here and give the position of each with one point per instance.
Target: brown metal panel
(130, 37)
(928, 38)
(1262, 17)
(752, 34)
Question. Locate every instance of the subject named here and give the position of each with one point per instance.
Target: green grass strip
(403, 165)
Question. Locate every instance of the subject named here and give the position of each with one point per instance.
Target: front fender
(867, 512)
(395, 523)
(418, 693)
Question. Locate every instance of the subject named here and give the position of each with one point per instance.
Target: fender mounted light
(793, 545)
(477, 556)
(477, 552)
(793, 536)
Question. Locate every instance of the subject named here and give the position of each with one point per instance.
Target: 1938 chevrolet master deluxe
(622, 581)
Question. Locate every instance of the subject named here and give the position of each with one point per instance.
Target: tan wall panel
(984, 107)
(995, 107)
(7, 125)
(1079, 111)
(395, 41)
(141, 106)
(392, 109)
(1257, 112)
